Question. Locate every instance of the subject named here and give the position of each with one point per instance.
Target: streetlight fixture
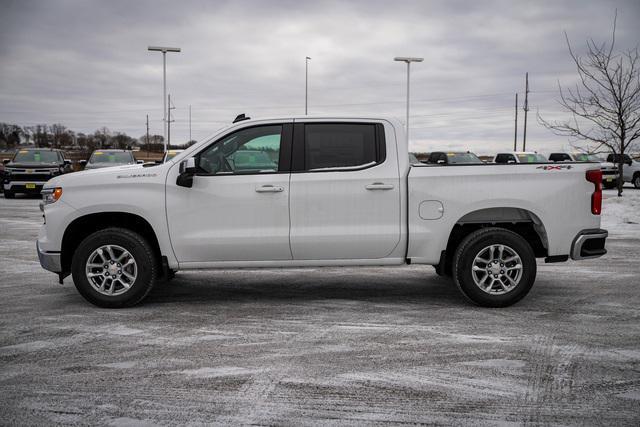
(164, 51)
(306, 84)
(408, 61)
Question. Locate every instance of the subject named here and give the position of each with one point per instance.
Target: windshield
(531, 158)
(463, 158)
(37, 156)
(171, 154)
(111, 157)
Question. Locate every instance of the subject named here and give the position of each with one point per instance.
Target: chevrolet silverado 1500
(317, 191)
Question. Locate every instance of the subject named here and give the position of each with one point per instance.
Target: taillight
(595, 176)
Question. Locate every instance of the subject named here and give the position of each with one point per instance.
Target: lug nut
(495, 275)
(119, 271)
(501, 272)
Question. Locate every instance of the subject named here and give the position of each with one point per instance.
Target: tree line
(59, 136)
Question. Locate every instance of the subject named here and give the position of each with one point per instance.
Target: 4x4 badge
(554, 167)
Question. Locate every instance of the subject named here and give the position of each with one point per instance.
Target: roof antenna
(240, 118)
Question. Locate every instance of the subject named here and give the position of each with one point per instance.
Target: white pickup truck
(317, 191)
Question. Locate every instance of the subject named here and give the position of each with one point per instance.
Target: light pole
(306, 84)
(164, 51)
(408, 61)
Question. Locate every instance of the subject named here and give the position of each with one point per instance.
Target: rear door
(345, 192)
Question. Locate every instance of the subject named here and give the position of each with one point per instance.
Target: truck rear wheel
(494, 267)
(114, 268)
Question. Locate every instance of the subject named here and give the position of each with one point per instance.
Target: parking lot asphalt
(310, 346)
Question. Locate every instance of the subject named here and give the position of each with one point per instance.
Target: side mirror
(187, 170)
(83, 162)
(158, 162)
(6, 161)
(511, 161)
(440, 162)
(139, 162)
(67, 162)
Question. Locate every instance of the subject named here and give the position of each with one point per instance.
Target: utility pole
(526, 109)
(306, 85)
(189, 122)
(167, 143)
(515, 133)
(147, 144)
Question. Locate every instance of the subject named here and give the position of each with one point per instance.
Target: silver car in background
(107, 158)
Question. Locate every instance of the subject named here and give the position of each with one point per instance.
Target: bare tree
(605, 103)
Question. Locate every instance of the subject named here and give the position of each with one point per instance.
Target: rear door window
(336, 146)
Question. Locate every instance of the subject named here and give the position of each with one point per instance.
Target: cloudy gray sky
(85, 63)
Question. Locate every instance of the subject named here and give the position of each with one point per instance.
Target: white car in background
(610, 174)
(106, 158)
(519, 157)
(630, 170)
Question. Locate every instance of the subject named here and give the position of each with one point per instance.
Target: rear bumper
(49, 260)
(589, 244)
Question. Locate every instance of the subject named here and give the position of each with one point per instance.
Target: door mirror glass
(6, 161)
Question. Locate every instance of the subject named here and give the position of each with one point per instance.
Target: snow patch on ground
(621, 215)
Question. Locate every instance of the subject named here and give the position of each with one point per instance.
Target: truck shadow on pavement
(251, 287)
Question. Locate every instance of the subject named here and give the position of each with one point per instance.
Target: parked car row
(30, 168)
(609, 166)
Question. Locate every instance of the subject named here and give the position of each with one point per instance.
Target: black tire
(472, 245)
(636, 180)
(9, 194)
(146, 260)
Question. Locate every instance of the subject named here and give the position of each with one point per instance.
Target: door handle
(379, 186)
(269, 189)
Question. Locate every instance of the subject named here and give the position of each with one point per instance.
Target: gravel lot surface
(310, 346)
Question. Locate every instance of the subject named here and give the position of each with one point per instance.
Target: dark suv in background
(30, 168)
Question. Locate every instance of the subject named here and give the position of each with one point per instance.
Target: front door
(238, 206)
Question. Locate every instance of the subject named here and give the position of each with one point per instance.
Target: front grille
(30, 177)
(609, 172)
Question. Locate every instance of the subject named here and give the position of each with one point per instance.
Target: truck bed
(549, 195)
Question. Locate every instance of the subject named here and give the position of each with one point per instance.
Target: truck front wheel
(114, 268)
(494, 267)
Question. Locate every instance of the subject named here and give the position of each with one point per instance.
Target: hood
(33, 165)
(608, 165)
(100, 176)
(105, 165)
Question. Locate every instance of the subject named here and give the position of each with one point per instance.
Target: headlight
(51, 195)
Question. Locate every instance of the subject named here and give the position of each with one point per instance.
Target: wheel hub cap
(111, 270)
(497, 269)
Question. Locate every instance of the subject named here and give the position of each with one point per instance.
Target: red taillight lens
(595, 176)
